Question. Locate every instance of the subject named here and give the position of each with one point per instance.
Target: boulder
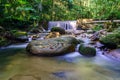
(52, 35)
(115, 53)
(90, 31)
(87, 50)
(52, 46)
(58, 29)
(78, 32)
(111, 40)
(98, 34)
(35, 31)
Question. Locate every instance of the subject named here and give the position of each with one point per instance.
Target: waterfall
(67, 25)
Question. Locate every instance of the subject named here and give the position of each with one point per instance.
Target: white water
(67, 25)
(20, 45)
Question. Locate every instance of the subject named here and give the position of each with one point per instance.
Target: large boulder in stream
(52, 46)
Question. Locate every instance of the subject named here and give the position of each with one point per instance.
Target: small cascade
(29, 39)
(20, 45)
(67, 25)
(77, 48)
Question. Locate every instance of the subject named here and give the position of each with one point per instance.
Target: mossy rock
(3, 42)
(112, 40)
(35, 30)
(52, 46)
(58, 29)
(17, 33)
(87, 50)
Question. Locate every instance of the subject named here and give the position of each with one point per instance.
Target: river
(16, 64)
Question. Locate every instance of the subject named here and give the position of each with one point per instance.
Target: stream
(16, 64)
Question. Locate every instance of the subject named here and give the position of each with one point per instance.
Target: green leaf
(22, 2)
(7, 5)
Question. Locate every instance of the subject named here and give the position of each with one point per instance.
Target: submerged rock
(52, 46)
(23, 77)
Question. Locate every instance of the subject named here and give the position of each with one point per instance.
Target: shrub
(97, 28)
(58, 29)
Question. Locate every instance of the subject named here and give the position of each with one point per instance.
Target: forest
(23, 13)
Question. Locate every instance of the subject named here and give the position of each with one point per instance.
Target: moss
(87, 51)
(112, 40)
(58, 29)
(3, 41)
(17, 33)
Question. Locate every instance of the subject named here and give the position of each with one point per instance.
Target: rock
(90, 31)
(35, 31)
(23, 77)
(115, 53)
(87, 50)
(69, 32)
(4, 42)
(99, 45)
(52, 35)
(25, 38)
(98, 34)
(58, 29)
(52, 46)
(78, 32)
(111, 40)
(81, 24)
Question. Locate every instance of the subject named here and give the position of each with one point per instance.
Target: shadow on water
(6, 56)
(11, 58)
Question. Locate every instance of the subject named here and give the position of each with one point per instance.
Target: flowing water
(16, 63)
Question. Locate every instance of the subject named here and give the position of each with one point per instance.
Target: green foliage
(3, 41)
(58, 29)
(22, 13)
(97, 28)
(87, 51)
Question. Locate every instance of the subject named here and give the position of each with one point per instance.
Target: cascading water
(67, 25)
